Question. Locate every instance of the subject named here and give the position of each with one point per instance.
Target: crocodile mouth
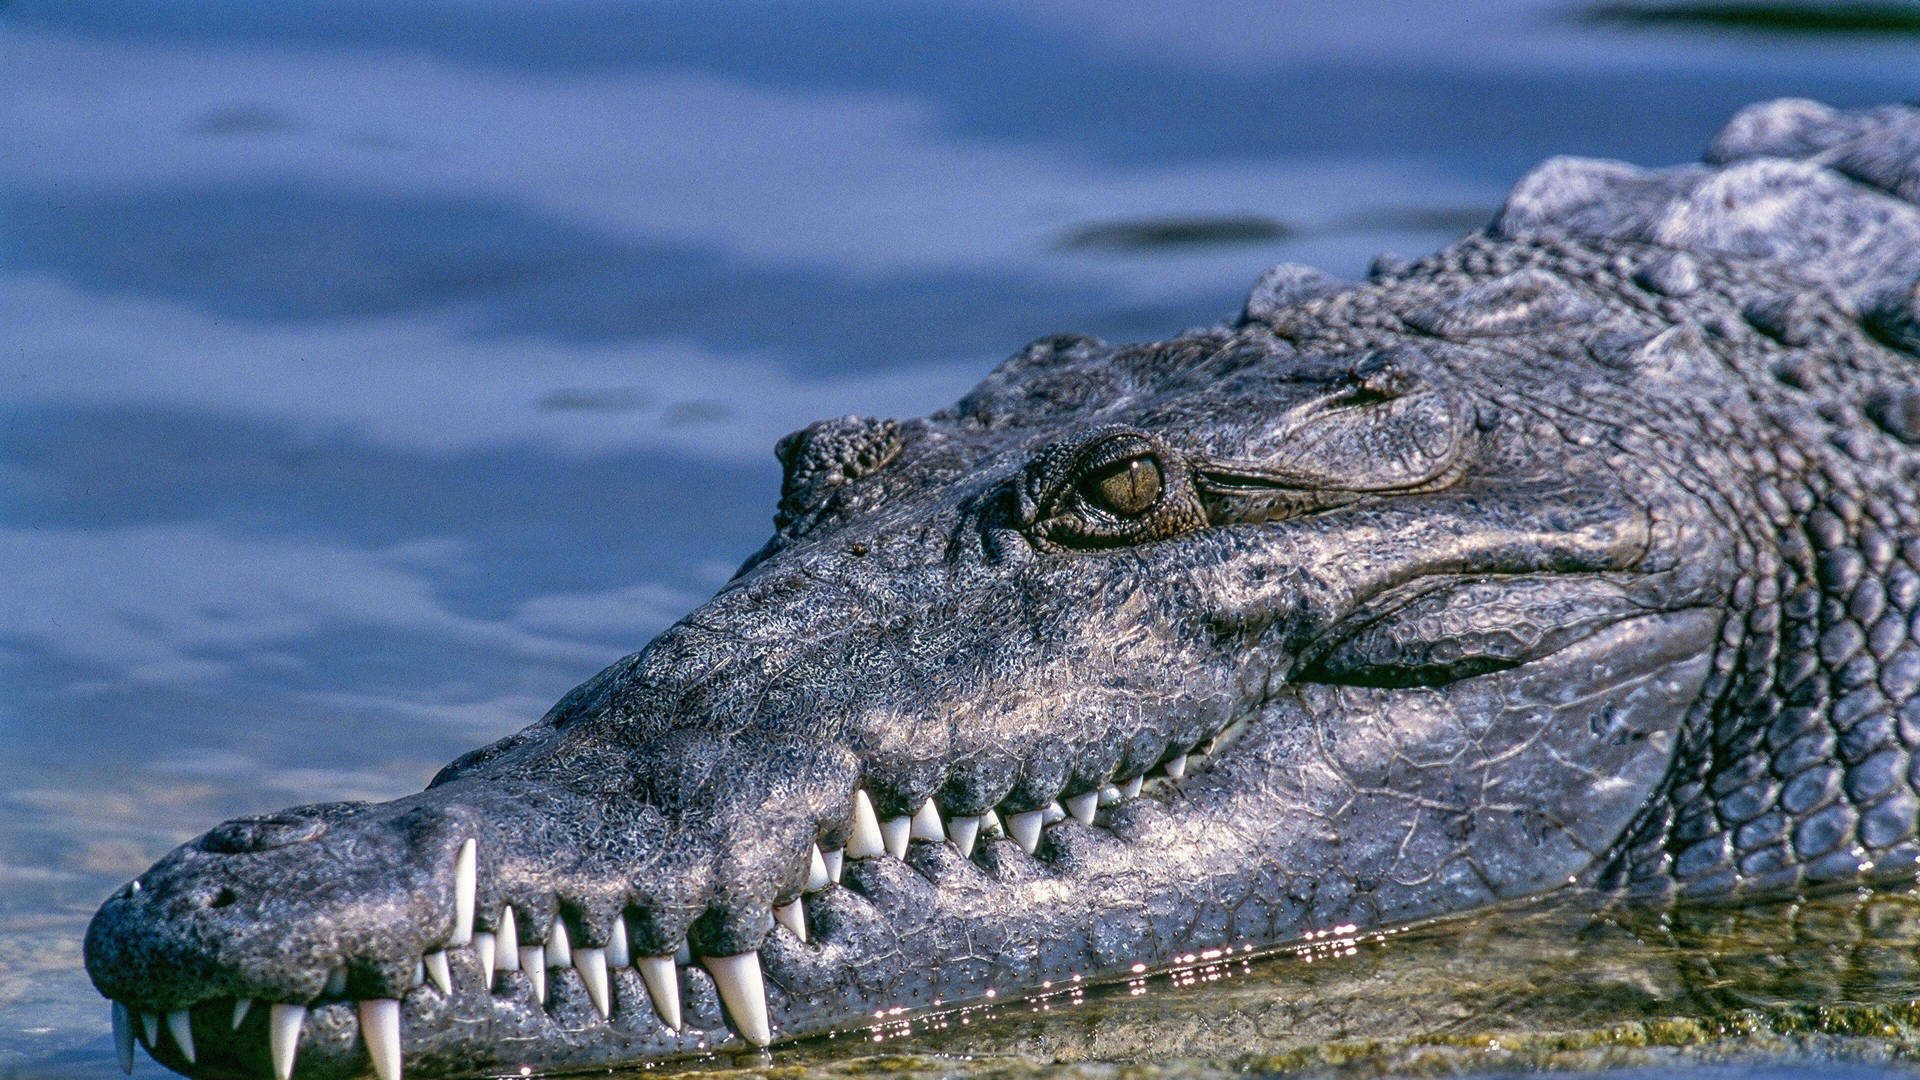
(504, 981)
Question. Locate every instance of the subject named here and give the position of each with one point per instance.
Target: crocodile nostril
(222, 898)
(261, 833)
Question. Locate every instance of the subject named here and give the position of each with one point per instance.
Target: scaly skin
(1583, 552)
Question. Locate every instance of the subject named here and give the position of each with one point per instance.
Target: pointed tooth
(485, 946)
(336, 982)
(1109, 795)
(150, 1026)
(1177, 767)
(963, 831)
(663, 984)
(683, 956)
(1081, 806)
(283, 1036)
(743, 993)
(897, 831)
(793, 917)
(1025, 830)
(592, 966)
(240, 1009)
(1052, 812)
(419, 973)
(533, 961)
(507, 953)
(990, 823)
(619, 955)
(380, 1027)
(180, 1023)
(559, 949)
(817, 877)
(834, 861)
(464, 880)
(926, 824)
(866, 842)
(1131, 788)
(123, 1037)
(437, 969)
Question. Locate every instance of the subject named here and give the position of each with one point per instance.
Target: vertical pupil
(1131, 487)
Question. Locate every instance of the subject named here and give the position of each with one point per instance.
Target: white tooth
(533, 961)
(745, 996)
(1177, 768)
(1052, 812)
(436, 963)
(484, 946)
(508, 951)
(380, 1026)
(463, 890)
(926, 824)
(990, 823)
(1109, 795)
(865, 843)
(618, 954)
(559, 950)
(1025, 830)
(963, 831)
(283, 1036)
(123, 1037)
(150, 1024)
(592, 966)
(793, 917)
(1132, 787)
(683, 956)
(180, 1023)
(240, 1008)
(663, 982)
(817, 877)
(1081, 806)
(336, 982)
(834, 861)
(896, 831)
(419, 972)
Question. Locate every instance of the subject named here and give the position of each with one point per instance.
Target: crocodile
(1583, 555)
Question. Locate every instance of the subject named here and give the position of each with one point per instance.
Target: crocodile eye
(1126, 488)
(1113, 487)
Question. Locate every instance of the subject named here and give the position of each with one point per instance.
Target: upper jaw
(1274, 835)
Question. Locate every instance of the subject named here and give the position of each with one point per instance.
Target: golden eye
(1126, 488)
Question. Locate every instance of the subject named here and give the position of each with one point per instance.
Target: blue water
(372, 372)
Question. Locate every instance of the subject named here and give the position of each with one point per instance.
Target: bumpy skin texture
(1585, 551)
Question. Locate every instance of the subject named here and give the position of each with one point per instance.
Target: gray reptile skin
(1583, 552)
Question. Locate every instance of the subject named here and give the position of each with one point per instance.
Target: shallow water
(374, 372)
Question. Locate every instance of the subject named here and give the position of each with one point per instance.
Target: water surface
(376, 371)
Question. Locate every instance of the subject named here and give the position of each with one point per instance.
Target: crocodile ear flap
(1386, 424)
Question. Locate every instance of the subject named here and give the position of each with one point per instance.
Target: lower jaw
(896, 939)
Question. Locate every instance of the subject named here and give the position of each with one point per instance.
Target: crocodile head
(1134, 653)
(1530, 563)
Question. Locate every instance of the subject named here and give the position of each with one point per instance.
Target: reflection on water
(1553, 985)
(1894, 17)
(376, 371)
